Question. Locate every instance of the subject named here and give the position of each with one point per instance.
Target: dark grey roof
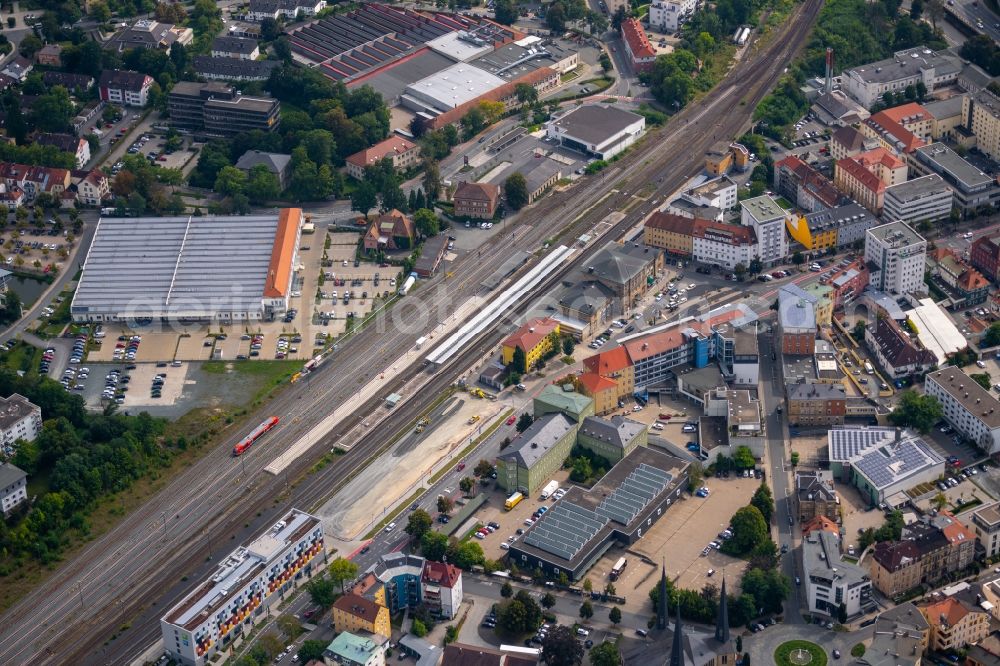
(65, 142)
(234, 68)
(595, 123)
(616, 265)
(234, 45)
(67, 80)
(9, 475)
(539, 438)
(898, 350)
(585, 296)
(917, 188)
(275, 162)
(907, 63)
(13, 409)
(841, 216)
(812, 483)
(122, 78)
(821, 560)
(816, 392)
(618, 431)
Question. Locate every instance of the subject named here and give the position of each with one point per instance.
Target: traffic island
(799, 653)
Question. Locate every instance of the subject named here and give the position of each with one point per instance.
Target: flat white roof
(936, 330)
(456, 85)
(460, 45)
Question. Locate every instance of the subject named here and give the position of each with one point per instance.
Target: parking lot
(346, 287)
(155, 149)
(35, 249)
(684, 532)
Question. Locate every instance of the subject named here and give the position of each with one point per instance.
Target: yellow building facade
(355, 613)
(534, 339)
(798, 228)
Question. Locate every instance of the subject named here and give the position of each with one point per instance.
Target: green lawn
(786, 654)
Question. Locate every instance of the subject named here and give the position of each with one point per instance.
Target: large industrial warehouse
(187, 269)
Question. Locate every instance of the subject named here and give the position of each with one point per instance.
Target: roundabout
(799, 653)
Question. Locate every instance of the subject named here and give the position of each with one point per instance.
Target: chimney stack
(829, 71)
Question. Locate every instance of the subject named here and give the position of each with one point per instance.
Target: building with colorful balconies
(242, 588)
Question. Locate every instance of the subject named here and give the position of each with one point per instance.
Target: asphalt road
(220, 501)
(977, 10)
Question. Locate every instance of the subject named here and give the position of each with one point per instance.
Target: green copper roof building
(555, 399)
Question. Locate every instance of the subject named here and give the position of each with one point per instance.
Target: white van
(390, 527)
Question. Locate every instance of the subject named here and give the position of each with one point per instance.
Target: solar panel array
(888, 464)
(635, 492)
(846, 443)
(565, 529)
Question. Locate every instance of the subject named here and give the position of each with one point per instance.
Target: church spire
(722, 620)
(661, 611)
(677, 652)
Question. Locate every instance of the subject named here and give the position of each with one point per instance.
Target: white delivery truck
(549, 488)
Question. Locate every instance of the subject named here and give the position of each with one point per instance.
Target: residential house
(389, 231)
(149, 34)
(535, 338)
(67, 80)
(846, 283)
(476, 200)
(49, 55)
(896, 353)
(277, 163)
(967, 284)
(640, 51)
(356, 614)
(831, 227)
(17, 68)
(816, 495)
(125, 88)
(290, 9)
(442, 588)
(92, 187)
(889, 168)
(13, 488)
(613, 365)
(404, 155)
(78, 146)
(972, 410)
(890, 134)
(349, 649)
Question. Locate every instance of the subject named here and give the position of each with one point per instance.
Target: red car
(461, 466)
(511, 420)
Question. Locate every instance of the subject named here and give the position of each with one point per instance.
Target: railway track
(235, 498)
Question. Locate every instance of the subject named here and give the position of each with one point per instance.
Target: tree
(938, 502)
(467, 483)
(342, 570)
(427, 222)
(615, 615)
(434, 545)
(586, 610)
(230, 181)
(524, 422)
(483, 468)
(505, 12)
(916, 9)
(739, 644)
(587, 585)
(526, 93)
(548, 600)
(798, 258)
(560, 646)
(52, 112)
(696, 474)
(418, 628)
(794, 458)
(262, 185)
(764, 501)
(992, 336)
(506, 590)
(858, 332)
(842, 613)
(364, 198)
(744, 457)
(749, 530)
(519, 361)
(467, 555)
(917, 411)
(311, 650)
(756, 266)
(769, 588)
(555, 17)
(419, 523)
(605, 654)
(30, 45)
(515, 191)
(322, 592)
(444, 504)
(605, 61)
(568, 345)
(740, 269)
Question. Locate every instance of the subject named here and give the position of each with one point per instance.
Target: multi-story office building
(767, 219)
(832, 227)
(831, 582)
(220, 110)
(986, 525)
(896, 254)
(19, 419)
(726, 245)
(981, 115)
(239, 593)
(924, 199)
(972, 410)
(972, 188)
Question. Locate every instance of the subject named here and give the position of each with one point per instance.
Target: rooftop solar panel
(564, 530)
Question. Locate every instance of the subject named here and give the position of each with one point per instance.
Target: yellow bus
(513, 501)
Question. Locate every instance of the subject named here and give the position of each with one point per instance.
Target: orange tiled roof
(909, 112)
(867, 179)
(671, 222)
(531, 333)
(820, 523)
(950, 610)
(279, 271)
(593, 383)
(394, 145)
(638, 42)
(955, 531)
(879, 156)
(654, 344)
(888, 128)
(608, 362)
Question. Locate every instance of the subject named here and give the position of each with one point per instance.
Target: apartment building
(290, 9)
(356, 614)
(541, 450)
(348, 649)
(20, 419)
(972, 410)
(912, 117)
(981, 116)
(816, 495)
(671, 232)
(848, 141)
(125, 88)
(534, 339)
(890, 135)
(934, 69)
(638, 48)
(709, 200)
(404, 155)
(860, 184)
(796, 320)
(896, 354)
(235, 47)
(831, 227)
(972, 188)
(242, 588)
(13, 487)
(476, 200)
(816, 404)
(804, 186)
(833, 583)
(726, 245)
(846, 283)
(442, 588)
(985, 256)
(77, 146)
(924, 199)
(900, 638)
(767, 219)
(986, 525)
(955, 623)
(889, 168)
(967, 285)
(612, 366)
(896, 254)
(669, 15)
(947, 116)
